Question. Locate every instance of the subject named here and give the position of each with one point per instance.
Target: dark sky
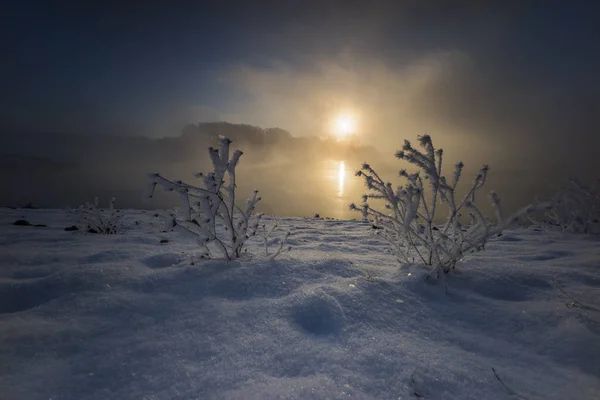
(521, 70)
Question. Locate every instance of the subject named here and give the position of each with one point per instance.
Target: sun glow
(341, 178)
(344, 125)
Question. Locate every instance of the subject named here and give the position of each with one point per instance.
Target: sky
(514, 80)
(128, 66)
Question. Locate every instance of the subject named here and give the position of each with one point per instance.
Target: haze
(511, 84)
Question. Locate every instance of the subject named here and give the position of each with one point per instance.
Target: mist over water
(296, 176)
(510, 84)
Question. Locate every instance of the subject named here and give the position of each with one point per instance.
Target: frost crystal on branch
(93, 219)
(210, 211)
(410, 210)
(266, 233)
(575, 208)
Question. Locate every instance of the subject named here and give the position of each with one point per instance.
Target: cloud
(485, 110)
(383, 97)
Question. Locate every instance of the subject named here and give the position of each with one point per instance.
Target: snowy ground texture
(125, 316)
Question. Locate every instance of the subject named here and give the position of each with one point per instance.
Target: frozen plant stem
(575, 208)
(210, 212)
(508, 390)
(266, 233)
(95, 220)
(407, 223)
(575, 303)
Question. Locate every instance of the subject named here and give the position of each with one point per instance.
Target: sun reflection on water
(340, 189)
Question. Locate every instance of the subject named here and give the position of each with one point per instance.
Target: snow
(125, 316)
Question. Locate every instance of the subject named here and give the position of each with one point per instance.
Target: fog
(296, 175)
(534, 135)
(504, 115)
(60, 170)
(96, 96)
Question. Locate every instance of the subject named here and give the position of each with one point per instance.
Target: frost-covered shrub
(210, 212)
(576, 208)
(407, 223)
(266, 232)
(93, 219)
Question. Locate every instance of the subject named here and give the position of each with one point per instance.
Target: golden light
(344, 125)
(341, 178)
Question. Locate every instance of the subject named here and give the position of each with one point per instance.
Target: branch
(509, 390)
(576, 303)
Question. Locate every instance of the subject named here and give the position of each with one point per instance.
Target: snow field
(125, 316)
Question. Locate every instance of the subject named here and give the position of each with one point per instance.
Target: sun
(344, 125)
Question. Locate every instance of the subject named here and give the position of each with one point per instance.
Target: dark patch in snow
(30, 273)
(516, 288)
(107, 256)
(22, 297)
(531, 281)
(343, 269)
(162, 260)
(509, 239)
(334, 223)
(26, 294)
(503, 292)
(333, 247)
(318, 313)
(301, 228)
(548, 255)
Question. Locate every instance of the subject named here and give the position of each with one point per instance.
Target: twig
(415, 393)
(367, 274)
(509, 390)
(576, 303)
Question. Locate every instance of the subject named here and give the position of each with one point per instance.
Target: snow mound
(318, 313)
